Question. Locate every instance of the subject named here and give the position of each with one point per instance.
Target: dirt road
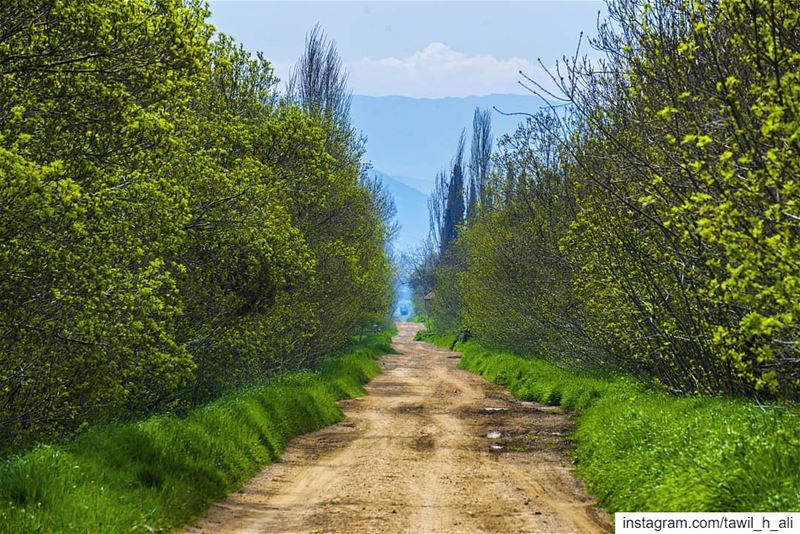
(431, 449)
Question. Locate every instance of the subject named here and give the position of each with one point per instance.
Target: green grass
(442, 340)
(642, 450)
(163, 472)
(422, 318)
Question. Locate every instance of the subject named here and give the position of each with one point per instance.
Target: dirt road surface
(431, 448)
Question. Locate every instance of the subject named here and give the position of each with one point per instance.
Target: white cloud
(439, 71)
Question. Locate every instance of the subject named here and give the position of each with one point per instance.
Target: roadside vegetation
(164, 471)
(644, 224)
(649, 220)
(172, 226)
(649, 223)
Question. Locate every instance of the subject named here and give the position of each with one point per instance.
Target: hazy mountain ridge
(416, 137)
(412, 212)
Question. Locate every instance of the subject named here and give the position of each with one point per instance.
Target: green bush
(163, 472)
(642, 450)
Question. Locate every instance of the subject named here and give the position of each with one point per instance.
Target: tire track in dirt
(431, 448)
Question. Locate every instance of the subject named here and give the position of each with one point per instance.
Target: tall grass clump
(163, 472)
(639, 449)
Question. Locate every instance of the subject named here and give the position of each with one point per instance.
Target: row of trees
(171, 225)
(458, 191)
(649, 221)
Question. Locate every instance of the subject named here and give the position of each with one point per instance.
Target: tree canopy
(171, 226)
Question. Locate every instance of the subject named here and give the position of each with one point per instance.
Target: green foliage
(654, 226)
(442, 259)
(164, 471)
(647, 451)
(440, 339)
(91, 222)
(685, 250)
(171, 228)
(517, 283)
(447, 305)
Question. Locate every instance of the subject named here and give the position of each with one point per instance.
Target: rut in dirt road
(431, 448)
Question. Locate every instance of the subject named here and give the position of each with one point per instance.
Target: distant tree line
(648, 219)
(171, 225)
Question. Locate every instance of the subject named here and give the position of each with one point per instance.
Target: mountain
(410, 139)
(423, 186)
(412, 212)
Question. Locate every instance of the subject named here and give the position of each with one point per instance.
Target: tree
(92, 218)
(453, 214)
(480, 157)
(318, 82)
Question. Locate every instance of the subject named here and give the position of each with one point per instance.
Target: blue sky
(417, 49)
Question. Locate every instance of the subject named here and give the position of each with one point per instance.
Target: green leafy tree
(91, 222)
(170, 226)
